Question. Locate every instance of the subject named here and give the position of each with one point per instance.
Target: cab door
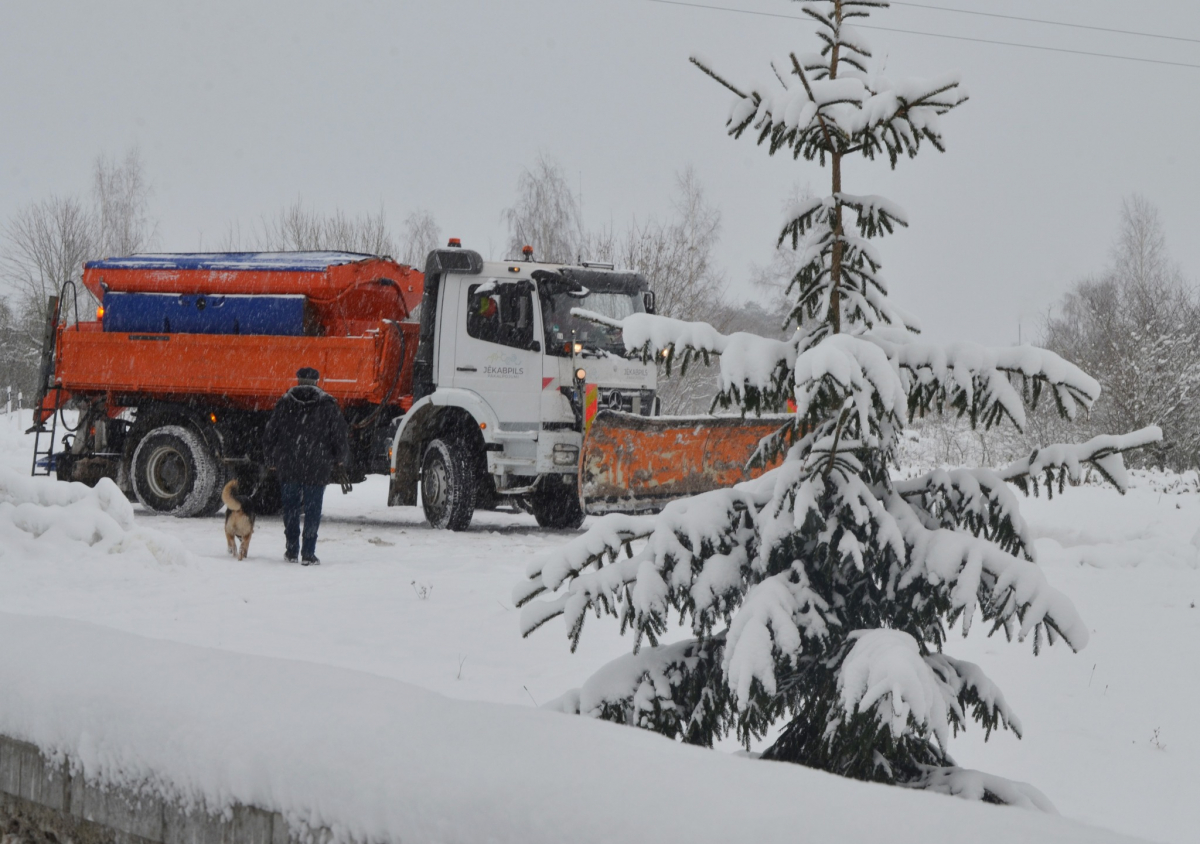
(498, 353)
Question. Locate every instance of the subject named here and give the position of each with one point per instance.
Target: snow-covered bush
(940, 441)
(821, 593)
(41, 516)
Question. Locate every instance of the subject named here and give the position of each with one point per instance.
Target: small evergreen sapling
(821, 593)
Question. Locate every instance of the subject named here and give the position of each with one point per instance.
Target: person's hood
(307, 394)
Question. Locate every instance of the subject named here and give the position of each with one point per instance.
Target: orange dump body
(360, 342)
(231, 370)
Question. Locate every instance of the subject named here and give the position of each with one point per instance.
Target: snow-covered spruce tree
(821, 593)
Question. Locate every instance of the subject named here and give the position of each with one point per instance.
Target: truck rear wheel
(555, 504)
(448, 485)
(174, 472)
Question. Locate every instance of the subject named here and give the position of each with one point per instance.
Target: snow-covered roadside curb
(376, 759)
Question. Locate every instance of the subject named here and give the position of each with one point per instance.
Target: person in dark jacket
(307, 441)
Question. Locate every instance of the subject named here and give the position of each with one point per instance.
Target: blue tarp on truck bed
(170, 313)
(232, 261)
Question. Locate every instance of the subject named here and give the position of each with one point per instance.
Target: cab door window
(501, 313)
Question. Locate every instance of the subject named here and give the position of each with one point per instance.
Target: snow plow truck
(472, 385)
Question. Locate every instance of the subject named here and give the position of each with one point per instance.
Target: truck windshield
(559, 323)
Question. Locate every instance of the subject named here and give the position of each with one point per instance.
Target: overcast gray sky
(241, 107)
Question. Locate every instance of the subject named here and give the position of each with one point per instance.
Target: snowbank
(41, 517)
(380, 760)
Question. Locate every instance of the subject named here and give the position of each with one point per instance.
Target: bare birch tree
(121, 198)
(421, 236)
(45, 246)
(676, 255)
(546, 215)
(300, 228)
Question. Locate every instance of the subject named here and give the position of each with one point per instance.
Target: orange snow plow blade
(635, 463)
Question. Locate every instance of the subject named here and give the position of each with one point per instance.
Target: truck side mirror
(648, 301)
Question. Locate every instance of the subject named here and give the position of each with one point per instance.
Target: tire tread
(462, 481)
(205, 495)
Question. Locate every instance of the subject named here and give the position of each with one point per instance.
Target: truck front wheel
(555, 503)
(175, 473)
(448, 482)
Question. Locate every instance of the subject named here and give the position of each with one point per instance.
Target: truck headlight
(565, 455)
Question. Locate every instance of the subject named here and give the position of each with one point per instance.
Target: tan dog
(239, 520)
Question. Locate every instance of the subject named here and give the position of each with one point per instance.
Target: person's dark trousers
(298, 499)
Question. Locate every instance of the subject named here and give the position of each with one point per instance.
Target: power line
(1046, 22)
(936, 35)
(1025, 46)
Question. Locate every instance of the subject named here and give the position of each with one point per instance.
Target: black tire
(555, 503)
(215, 503)
(174, 472)
(448, 485)
(221, 471)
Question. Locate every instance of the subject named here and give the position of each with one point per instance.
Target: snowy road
(1110, 733)
(391, 597)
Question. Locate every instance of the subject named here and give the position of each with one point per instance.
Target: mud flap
(402, 490)
(632, 464)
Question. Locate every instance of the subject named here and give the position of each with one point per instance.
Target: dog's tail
(229, 496)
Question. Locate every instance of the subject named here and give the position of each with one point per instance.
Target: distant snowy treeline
(1135, 327)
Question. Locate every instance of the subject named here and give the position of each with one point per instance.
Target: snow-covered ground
(1111, 736)
(375, 759)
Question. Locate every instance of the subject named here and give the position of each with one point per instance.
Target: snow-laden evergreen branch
(967, 377)
(1009, 592)
(875, 215)
(978, 380)
(886, 675)
(981, 501)
(754, 370)
(701, 543)
(676, 690)
(854, 113)
(1066, 461)
(976, 500)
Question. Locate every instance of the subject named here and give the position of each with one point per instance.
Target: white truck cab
(505, 381)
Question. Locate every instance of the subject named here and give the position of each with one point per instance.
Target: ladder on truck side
(43, 458)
